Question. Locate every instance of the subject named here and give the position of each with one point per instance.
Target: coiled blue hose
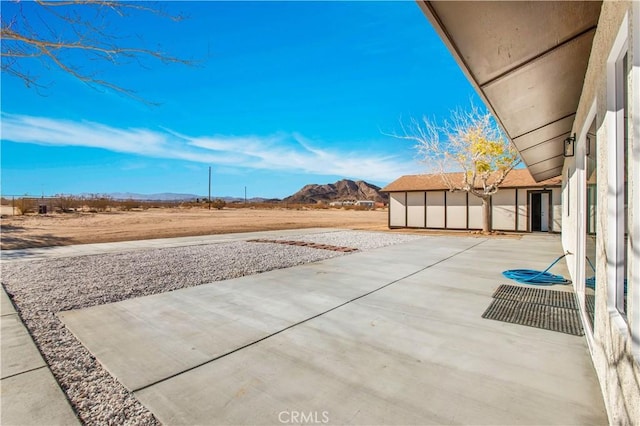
(590, 281)
(530, 276)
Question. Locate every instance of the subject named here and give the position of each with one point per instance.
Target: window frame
(634, 176)
(615, 246)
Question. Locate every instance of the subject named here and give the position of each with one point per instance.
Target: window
(622, 142)
(633, 274)
(591, 208)
(618, 246)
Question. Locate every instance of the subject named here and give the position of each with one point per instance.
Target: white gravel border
(41, 288)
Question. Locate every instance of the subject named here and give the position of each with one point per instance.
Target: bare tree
(469, 142)
(66, 203)
(64, 34)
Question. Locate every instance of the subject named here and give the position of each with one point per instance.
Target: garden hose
(530, 276)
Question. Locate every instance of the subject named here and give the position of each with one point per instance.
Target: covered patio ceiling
(527, 60)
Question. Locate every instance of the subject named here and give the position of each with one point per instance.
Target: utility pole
(245, 195)
(209, 187)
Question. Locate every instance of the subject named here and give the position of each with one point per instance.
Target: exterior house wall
(556, 211)
(435, 209)
(615, 354)
(503, 210)
(522, 210)
(397, 209)
(456, 210)
(439, 209)
(475, 212)
(416, 209)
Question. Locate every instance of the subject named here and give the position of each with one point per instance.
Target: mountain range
(344, 189)
(171, 196)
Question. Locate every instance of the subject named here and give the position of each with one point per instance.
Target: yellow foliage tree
(469, 142)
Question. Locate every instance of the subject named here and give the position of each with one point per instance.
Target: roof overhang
(527, 61)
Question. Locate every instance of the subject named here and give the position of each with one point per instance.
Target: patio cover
(527, 60)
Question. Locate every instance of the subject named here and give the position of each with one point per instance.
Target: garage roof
(520, 178)
(527, 60)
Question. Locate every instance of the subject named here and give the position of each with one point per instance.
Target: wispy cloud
(282, 151)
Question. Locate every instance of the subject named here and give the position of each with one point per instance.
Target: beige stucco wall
(522, 210)
(415, 209)
(435, 209)
(503, 210)
(475, 212)
(397, 214)
(408, 209)
(612, 348)
(456, 210)
(556, 210)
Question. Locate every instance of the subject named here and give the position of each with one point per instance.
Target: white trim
(615, 179)
(581, 220)
(568, 190)
(634, 201)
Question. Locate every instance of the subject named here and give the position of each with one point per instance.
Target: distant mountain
(165, 196)
(170, 196)
(344, 189)
(249, 200)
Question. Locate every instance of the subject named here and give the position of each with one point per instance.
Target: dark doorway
(536, 210)
(540, 211)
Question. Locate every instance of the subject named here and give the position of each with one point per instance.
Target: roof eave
(536, 117)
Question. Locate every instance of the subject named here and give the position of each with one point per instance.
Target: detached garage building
(521, 204)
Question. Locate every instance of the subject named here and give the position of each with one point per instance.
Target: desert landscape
(33, 230)
(42, 288)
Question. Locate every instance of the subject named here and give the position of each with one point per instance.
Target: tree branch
(472, 143)
(67, 31)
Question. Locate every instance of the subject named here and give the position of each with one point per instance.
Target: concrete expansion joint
(25, 372)
(348, 302)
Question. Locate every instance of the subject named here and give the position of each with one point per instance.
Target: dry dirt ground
(82, 228)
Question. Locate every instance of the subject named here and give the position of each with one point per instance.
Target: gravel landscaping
(41, 288)
(362, 240)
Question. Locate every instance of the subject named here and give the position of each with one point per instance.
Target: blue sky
(283, 94)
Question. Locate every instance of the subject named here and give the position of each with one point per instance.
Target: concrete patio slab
(359, 366)
(6, 307)
(387, 336)
(19, 353)
(34, 398)
(145, 340)
(29, 395)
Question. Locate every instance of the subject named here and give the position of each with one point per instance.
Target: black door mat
(534, 309)
(590, 307)
(559, 299)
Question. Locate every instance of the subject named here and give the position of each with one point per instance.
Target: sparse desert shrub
(66, 203)
(129, 205)
(99, 203)
(218, 204)
(25, 205)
